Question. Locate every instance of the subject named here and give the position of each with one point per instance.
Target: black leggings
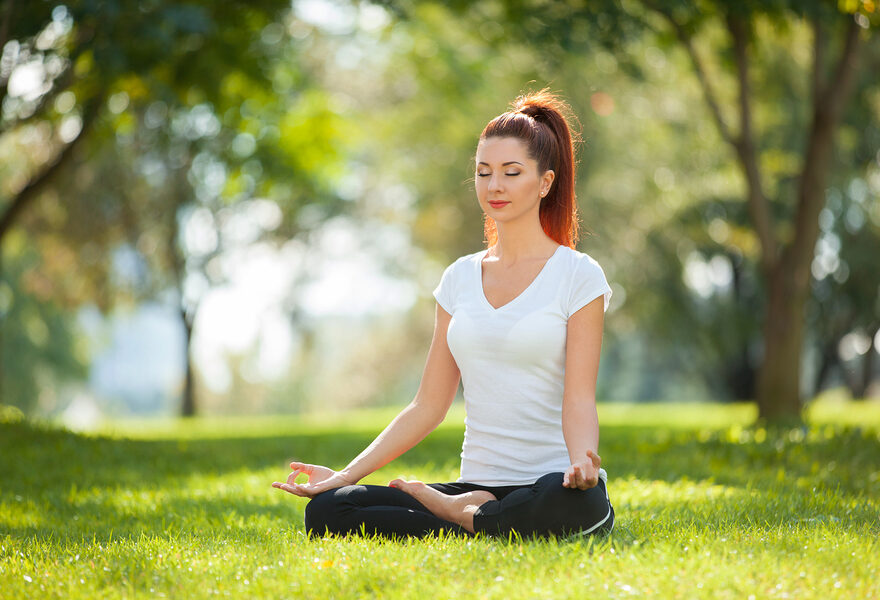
(540, 509)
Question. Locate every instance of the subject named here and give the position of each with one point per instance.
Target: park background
(244, 208)
(236, 212)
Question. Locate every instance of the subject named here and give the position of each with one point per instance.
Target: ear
(546, 182)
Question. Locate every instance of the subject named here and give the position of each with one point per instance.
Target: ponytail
(538, 119)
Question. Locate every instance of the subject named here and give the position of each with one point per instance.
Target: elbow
(578, 401)
(431, 413)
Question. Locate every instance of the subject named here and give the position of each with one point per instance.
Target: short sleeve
(444, 293)
(588, 283)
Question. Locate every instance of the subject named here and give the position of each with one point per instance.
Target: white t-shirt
(512, 363)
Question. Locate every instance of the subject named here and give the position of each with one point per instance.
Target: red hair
(538, 119)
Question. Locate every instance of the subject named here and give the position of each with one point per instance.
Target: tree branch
(60, 84)
(702, 77)
(32, 189)
(4, 37)
(819, 46)
(7, 20)
(758, 205)
(837, 92)
(827, 113)
(64, 79)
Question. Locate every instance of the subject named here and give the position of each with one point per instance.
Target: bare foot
(458, 509)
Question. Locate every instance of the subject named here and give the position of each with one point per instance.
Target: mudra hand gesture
(320, 480)
(583, 475)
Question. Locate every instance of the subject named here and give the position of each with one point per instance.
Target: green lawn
(708, 505)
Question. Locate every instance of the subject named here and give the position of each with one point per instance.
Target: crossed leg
(543, 508)
(457, 509)
(415, 509)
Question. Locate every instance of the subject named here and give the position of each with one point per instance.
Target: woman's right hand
(320, 480)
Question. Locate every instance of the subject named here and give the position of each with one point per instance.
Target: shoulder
(462, 261)
(472, 257)
(460, 267)
(580, 263)
(586, 281)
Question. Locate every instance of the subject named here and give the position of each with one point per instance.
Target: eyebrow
(510, 162)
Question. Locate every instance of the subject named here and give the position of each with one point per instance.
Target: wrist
(581, 455)
(349, 476)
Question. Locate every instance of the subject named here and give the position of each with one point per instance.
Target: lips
(497, 204)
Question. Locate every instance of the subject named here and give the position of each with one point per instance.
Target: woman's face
(508, 184)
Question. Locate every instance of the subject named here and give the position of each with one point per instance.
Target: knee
(322, 513)
(574, 509)
(597, 515)
(550, 487)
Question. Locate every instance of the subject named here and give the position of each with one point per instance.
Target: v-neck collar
(479, 263)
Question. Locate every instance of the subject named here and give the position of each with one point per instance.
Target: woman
(520, 324)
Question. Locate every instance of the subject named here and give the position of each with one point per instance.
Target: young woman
(520, 324)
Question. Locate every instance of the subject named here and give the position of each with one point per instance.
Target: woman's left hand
(583, 475)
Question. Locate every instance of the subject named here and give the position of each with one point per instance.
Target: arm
(427, 410)
(580, 423)
(436, 392)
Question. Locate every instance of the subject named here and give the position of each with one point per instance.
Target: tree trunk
(2, 332)
(789, 281)
(35, 185)
(827, 360)
(863, 381)
(188, 402)
(779, 374)
(740, 374)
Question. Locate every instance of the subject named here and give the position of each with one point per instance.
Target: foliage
(208, 111)
(68, 73)
(61, 63)
(779, 115)
(40, 349)
(708, 505)
(148, 114)
(660, 190)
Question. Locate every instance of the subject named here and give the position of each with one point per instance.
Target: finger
(281, 486)
(302, 467)
(594, 458)
(308, 490)
(295, 489)
(581, 477)
(589, 476)
(589, 480)
(586, 475)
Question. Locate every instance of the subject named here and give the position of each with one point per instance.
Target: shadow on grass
(35, 459)
(59, 485)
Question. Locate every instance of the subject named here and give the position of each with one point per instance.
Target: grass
(708, 505)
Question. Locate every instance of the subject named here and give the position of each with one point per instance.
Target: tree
(845, 308)
(787, 245)
(90, 49)
(783, 209)
(68, 74)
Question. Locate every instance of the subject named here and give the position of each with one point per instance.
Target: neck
(522, 240)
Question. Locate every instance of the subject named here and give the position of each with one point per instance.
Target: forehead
(499, 150)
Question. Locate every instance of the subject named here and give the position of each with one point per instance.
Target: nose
(495, 183)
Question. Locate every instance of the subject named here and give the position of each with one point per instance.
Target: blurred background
(243, 207)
